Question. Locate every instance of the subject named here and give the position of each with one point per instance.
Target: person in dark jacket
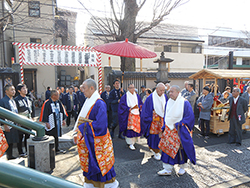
(71, 103)
(81, 98)
(24, 107)
(114, 99)
(238, 107)
(205, 103)
(10, 133)
(105, 97)
(53, 115)
(47, 93)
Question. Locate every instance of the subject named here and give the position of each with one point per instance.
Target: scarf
(132, 101)
(86, 107)
(159, 103)
(174, 111)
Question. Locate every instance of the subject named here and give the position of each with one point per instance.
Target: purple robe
(100, 124)
(146, 120)
(123, 112)
(188, 151)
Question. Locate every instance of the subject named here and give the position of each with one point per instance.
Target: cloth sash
(157, 123)
(174, 111)
(159, 103)
(103, 150)
(86, 107)
(170, 142)
(132, 101)
(134, 122)
(3, 143)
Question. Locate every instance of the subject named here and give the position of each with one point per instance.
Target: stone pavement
(220, 165)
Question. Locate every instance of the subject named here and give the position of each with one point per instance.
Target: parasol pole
(122, 78)
(141, 64)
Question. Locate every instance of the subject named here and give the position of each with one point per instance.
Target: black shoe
(121, 136)
(238, 144)
(12, 157)
(231, 143)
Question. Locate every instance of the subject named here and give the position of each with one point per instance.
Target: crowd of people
(164, 115)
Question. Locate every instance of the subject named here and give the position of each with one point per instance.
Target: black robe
(48, 115)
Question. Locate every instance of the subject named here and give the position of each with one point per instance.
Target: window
(191, 48)
(166, 47)
(35, 40)
(34, 8)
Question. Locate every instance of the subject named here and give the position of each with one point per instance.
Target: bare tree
(7, 12)
(123, 23)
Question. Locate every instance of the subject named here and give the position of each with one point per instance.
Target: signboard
(59, 57)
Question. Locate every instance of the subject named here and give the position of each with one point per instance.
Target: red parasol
(125, 49)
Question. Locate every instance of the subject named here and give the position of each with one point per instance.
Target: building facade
(180, 43)
(41, 22)
(220, 41)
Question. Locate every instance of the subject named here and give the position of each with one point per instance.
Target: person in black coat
(10, 133)
(53, 114)
(24, 107)
(47, 93)
(114, 99)
(105, 97)
(71, 103)
(238, 107)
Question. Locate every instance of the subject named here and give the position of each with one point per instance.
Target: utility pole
(3, 40)
(54, 4)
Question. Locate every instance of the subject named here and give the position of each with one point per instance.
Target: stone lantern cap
(163, 59)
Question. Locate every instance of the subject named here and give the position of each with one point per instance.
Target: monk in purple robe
(129, 116)
(95, 147)
(179, 117)
(152, 118)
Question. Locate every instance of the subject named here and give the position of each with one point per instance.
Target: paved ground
(218, 164)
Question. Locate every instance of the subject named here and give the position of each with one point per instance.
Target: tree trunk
(127, 28)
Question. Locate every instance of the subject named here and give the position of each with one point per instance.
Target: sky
(233, 14)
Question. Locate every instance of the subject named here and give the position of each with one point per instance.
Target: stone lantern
(162, 74)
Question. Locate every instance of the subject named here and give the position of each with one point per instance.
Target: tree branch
(113, 10)
(141, 5)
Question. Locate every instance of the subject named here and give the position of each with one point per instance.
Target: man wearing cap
(205, 103)
(143, 91)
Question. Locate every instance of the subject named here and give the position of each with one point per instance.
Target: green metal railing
(17, 176)
(24, 121)
(17, 127)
